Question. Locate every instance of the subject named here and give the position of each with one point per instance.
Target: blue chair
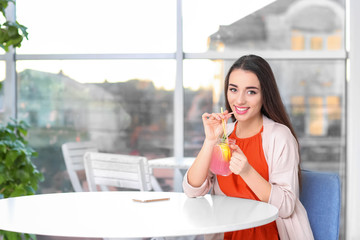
(321, 197)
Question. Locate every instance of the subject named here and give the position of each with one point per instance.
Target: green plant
(18, 175)
(11, 32)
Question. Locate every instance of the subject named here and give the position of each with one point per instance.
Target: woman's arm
(283, 163)
(239, 165)
(198, 172)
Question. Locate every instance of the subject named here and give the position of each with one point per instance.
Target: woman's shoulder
(278, 141)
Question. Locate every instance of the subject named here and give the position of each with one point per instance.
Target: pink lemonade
(220, 159)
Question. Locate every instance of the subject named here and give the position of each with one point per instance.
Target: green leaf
(19, 191)
(23, 29)
(2, 179)
(30, 236)
(2, 147)
(40, 176)
(10, 158)
(23, 131)
(22, 175)
(18, 174)
(34, 154)
(2, 168)
(11, 33)
(6, 48)
(29, 190)
(11, 235)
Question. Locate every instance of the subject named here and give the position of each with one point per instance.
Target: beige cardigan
(281, 153)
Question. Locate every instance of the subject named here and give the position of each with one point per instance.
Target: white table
(171, 163)
(116, 215)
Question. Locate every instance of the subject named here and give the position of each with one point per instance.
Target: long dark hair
(272, 107)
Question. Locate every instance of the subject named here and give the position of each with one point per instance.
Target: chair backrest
(73, 153)
(123, 171)
(321, 197)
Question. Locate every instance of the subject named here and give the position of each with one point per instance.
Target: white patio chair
(73, 153)
(116, 170)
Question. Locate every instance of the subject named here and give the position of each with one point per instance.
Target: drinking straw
(224, 128)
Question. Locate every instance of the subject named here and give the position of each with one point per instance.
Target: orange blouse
(234, 186)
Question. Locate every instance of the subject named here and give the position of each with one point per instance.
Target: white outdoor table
(116, 215)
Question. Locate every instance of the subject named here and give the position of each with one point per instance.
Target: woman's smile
(241, 110)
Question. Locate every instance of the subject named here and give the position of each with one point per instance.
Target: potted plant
(18, 175)
(11, 32)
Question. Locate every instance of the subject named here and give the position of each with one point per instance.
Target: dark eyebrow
(250, 87)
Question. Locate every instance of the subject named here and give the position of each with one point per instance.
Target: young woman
(265, 160)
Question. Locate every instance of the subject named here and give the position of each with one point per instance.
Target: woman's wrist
(247, 171)
(210, 142)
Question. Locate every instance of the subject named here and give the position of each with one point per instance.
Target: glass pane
(229, 25)
(312, 91)
(88, 26)
(202, 84)
(124, 106)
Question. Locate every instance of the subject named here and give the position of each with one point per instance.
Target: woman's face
(244, 95)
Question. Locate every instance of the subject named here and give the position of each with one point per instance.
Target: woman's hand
(213, 124)
(199, 170)
(239, 164)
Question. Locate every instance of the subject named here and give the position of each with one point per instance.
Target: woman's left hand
(238, 163)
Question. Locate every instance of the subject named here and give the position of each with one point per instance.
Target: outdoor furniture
(73, 153)
(117, 170)
(114, 214)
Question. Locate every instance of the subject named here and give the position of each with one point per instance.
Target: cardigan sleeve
(191, 191)
(283, 172)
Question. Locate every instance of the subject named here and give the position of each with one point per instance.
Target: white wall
(353, 127)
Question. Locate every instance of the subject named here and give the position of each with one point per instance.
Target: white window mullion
(104, 56)
(271, 55)
(179, 100)
(10, 101)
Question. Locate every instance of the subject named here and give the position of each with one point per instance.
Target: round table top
(117, 215)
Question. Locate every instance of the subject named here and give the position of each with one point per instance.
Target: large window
(109, 26)
(308, 61)
(125, 106)
(110, 75)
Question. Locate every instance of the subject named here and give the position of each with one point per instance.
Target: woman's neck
(249, 128)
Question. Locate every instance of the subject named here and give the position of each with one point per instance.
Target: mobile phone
(144, 200)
